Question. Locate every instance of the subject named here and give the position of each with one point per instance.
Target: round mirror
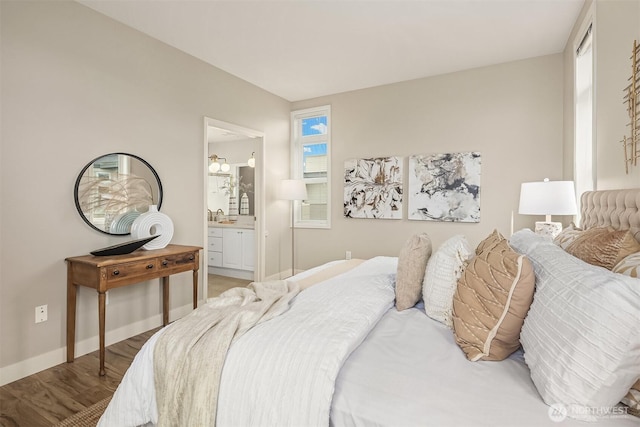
(113, 190)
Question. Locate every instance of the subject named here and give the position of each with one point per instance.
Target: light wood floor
(218, 284)
(50, 396)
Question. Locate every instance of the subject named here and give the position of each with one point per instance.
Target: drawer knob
(116, 272)
(165, 262)
(191, 258)
(149, 267)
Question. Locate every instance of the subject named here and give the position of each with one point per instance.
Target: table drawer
(172, 261)
(215, 244)
(131, 269)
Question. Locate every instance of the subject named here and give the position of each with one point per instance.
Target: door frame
(259, 194)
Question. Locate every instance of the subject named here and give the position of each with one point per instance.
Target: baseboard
(282, 275)
(231, 272)
(55, 357)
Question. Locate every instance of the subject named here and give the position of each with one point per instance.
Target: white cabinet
(230, 248)
(237, 248)
(247, 250)
(214, 247)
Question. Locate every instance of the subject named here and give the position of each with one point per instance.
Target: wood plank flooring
(52, 395)
(218, 284)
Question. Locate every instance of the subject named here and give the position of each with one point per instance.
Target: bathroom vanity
(230, 250)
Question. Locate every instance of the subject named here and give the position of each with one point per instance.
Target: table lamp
(548, 198)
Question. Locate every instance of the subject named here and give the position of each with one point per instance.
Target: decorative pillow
(629, 266)
(443, 270)
(604, 247)
(412, 262)
(581, 339)
(567, 236)
(493, 239)
(491, 301)
(632, 399)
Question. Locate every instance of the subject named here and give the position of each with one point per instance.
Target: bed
(356, 343)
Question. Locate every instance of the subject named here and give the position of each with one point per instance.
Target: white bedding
(295, 358)
(407, 372)
(410, 372)
(283, 372)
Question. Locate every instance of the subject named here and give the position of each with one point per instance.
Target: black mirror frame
(88, 165)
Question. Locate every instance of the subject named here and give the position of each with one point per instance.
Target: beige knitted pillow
(412, 263)
(491, 301)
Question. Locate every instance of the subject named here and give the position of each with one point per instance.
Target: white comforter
(283, 371)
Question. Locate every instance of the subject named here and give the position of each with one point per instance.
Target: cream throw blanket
(198, 343)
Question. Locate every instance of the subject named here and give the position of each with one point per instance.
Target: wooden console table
(110, 272)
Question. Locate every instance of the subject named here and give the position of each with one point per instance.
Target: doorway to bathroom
(234, 201)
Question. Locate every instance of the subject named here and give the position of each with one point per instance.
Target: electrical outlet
(347, 255)
(41, 313)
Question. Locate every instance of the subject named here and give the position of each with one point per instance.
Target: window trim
(587, 26)
(297, 142)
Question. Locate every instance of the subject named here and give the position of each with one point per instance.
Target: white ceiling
(302, 49)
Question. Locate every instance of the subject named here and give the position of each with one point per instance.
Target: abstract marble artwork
(445, 187)
(373, 188)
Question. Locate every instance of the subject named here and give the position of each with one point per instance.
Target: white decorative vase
(153, 223)
(233, 208)
(244, 204)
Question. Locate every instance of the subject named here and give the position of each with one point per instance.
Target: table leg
(101, 322)
(165, 300)
(71, 315)
(195, 289)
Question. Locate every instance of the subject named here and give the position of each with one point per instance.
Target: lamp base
(551, 229)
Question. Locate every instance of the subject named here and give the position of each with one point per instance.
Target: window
(584, 166)
(311, 143)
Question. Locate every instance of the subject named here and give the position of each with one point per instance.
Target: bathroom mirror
(238, 181)
(112, 190)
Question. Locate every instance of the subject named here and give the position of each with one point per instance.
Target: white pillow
(580, 338)
(441, 278)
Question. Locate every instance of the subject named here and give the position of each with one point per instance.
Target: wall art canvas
(373, 188)
(445, 187)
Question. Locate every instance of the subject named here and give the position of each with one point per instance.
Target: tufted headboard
(617, 208)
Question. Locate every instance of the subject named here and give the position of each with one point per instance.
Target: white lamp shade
(293, 189)
(225, 167)
(548, 198)
(252, 161)
(214, 167)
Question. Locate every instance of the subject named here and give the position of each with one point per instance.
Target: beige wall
(76, 85)
(616, 25)
(511, 113)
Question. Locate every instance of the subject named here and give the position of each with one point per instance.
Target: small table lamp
(548, 198)
(293, 189)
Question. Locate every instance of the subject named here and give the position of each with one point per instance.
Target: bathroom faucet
(209, 215)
